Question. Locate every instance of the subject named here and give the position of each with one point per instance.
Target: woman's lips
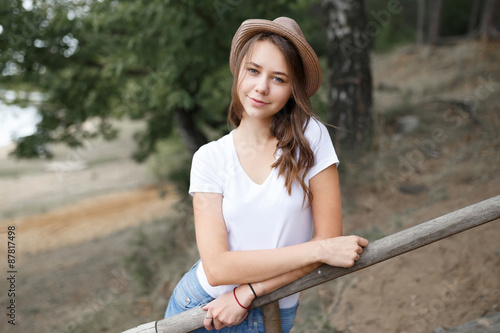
(257, 102)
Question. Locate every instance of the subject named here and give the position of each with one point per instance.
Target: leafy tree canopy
(164, 61)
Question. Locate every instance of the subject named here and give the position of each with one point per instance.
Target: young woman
(266, 196)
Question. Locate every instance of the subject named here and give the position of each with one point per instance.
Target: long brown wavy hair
(289, 124)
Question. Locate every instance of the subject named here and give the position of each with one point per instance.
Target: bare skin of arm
(278, 267)
(237, 267)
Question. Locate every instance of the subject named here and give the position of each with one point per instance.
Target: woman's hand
(342, 251)
(225, 311)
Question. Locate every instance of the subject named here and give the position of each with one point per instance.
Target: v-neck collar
(237, 158)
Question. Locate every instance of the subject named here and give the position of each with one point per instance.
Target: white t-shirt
(258, 217)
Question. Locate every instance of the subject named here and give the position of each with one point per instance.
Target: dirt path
(73, 227)
(89, 219)
(79, 195)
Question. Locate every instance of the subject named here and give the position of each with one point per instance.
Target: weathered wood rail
(378, 251)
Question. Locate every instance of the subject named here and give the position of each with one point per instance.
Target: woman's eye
(253, 71)
(278, 80)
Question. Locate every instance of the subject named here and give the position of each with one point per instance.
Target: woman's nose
(262, 86)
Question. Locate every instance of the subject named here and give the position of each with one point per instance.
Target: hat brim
(250, 28)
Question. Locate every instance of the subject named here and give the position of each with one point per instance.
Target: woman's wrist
(317, 251)
(261, 289)
(245, 295)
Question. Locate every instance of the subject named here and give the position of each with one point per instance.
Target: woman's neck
(256, 132)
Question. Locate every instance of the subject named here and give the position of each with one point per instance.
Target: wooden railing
(378, 251)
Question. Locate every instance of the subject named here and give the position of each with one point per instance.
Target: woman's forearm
(261, 288)
(239, 267)
(249, 266)
(277, 282)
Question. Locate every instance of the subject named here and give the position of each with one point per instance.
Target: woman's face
(265, 83)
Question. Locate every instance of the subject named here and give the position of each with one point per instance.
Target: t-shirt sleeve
(204, 172)
(322, 147)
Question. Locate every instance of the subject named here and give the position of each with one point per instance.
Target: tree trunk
(349, 75)
(495, 22)
(190, 134)
(474, 17)
(487, 20)
(436, 8)
(421, 22)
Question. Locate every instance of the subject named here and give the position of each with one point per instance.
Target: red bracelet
(236, 298)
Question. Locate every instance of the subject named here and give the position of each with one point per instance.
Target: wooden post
(378, 251)
(272, 317)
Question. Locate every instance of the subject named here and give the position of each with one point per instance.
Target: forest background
(136, 81)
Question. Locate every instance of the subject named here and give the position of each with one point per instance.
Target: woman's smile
(256, 102)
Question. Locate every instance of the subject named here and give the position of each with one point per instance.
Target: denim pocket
(182, 298)
(187, 294)
(187, 298)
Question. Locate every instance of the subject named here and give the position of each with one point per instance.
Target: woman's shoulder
(215, 149)
(314, 130)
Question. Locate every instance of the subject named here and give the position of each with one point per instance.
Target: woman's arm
(327, 216)
(237, 267)
(224, 267)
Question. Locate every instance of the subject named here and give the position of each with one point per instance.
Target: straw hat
(289, 29)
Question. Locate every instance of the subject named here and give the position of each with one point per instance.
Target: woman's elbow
(214, 276)
(213, 280)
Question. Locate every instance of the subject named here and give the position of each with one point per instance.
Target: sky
(16, 122)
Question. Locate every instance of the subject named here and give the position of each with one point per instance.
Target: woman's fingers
(363, 242)
(342, 251)
(208, 322)
(218, 324)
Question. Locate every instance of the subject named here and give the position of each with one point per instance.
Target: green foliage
(392, 35)
(401, 29)
(170, 164)
(398, 29)
(156, 60)
(141, 260)
(167, 240)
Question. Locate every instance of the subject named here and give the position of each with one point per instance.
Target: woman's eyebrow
(259, 67)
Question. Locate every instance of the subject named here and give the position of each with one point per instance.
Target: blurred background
(103, 103)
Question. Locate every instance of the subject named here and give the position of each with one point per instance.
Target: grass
(101, 321)
(167, 170)
(16, 173)
(105, 160)
(169, 240)
(160, 252)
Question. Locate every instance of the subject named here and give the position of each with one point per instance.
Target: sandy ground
(89, 219)
(78, 196)
(443, 284)
(75, 220)
(72, 218)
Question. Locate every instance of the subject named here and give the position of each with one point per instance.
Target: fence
(378, 251)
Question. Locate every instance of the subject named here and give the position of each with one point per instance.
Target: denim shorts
(189, 294)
